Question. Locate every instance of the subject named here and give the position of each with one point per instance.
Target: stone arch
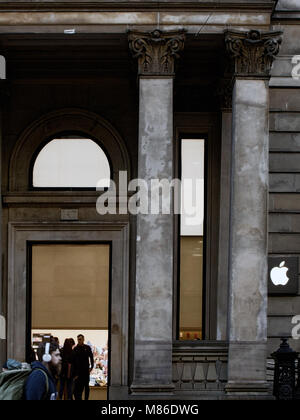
(71, 120)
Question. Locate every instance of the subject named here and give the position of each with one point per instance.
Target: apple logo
(278, 275)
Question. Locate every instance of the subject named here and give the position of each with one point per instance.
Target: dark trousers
(68, 382)
(80, 384)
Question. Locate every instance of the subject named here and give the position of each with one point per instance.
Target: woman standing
(66, 379)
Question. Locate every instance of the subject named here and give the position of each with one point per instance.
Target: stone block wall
(284, 167)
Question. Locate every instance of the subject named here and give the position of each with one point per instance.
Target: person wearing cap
(41, 383)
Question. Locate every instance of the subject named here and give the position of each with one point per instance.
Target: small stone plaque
(283, 275)
(69, 214)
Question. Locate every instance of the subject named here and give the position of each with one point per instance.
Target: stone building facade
(139, 76)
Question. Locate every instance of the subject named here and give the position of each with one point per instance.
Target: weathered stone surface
(284, 243)
(250, 354)
(285, 142)
(290, 41)
(280, 326)
(112, 20)
(248, 262)
(288, 5)
(284, 223)
(284, 121)
(286, 81)
(154, 257)
(284, 183)
(222, 307)
(283, 67)
(284, 162)
(283, 306)
(284, 202)
(249, 219)
(287, 100)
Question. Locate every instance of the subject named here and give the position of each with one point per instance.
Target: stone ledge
(137, 5)
(152, 389)
(155, 16)
(259, 389)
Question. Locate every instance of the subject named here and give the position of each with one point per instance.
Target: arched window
(71, 162)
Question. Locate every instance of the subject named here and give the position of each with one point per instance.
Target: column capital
(252, 52)
(156, 51)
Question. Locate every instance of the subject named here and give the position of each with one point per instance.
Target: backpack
(12, 383)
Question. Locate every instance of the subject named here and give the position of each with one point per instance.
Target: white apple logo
(278, 275)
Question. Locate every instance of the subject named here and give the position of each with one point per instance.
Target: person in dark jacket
(41, 383)
(83, 363)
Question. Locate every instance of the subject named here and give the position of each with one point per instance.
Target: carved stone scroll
(253, 52)
(156, 51)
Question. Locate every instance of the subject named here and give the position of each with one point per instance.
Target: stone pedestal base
(154, 392)
(118, 392)
(247, 370)
(248, 390)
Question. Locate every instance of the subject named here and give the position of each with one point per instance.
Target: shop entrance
(86, 266)
(70, 296)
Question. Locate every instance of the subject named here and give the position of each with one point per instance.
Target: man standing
(83, 363)
(41, 383)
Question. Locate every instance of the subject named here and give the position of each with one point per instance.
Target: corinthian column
(252, 55)
(156, 53)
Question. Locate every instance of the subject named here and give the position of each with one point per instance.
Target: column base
(148, 390)
(118, 392)
(248, 390)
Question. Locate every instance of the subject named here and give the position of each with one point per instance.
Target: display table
(98, 393)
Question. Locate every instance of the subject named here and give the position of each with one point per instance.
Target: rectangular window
(192, 238)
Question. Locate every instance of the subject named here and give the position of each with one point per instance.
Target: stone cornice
(122, 5)
(252, 52)
(156, 51)
(289, 16)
